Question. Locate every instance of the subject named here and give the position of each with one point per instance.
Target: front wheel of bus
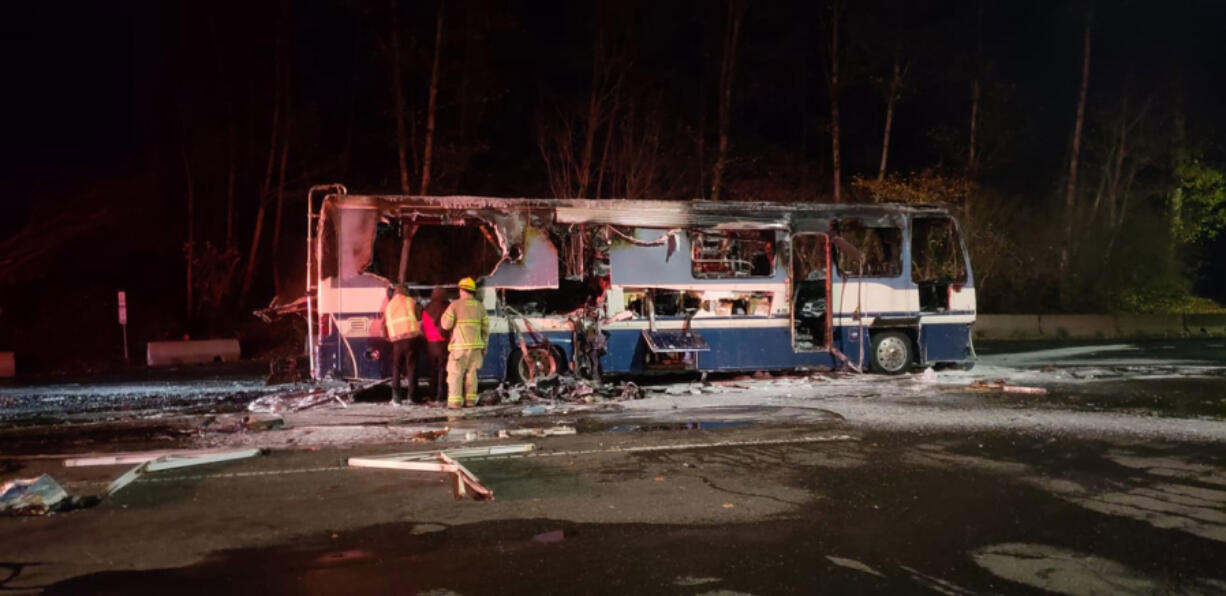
(890, 352)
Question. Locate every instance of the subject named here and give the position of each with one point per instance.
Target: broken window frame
(953, 246)
(738, 264)
(863, 268)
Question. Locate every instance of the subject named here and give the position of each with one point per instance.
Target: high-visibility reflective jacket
(400, 316)
(468, 323)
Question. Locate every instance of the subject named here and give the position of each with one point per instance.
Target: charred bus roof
(638, 213)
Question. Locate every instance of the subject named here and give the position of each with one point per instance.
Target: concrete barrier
(1150, 325)
(197, 351)
(1205, 325)
(999, 327)
(1006, 327)
(8, 366)
(1078, 326)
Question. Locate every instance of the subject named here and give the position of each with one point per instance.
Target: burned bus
(630, 287)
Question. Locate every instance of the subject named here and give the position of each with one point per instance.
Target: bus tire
(890, 352)
(541, 363)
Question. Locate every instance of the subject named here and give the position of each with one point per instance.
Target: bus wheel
(890, 352)
(539, 363)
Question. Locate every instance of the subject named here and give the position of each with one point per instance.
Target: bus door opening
(811, 323)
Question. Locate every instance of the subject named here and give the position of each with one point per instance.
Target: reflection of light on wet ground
(67, 399)
(1169, 495)
(853, 564)
(1060, 570)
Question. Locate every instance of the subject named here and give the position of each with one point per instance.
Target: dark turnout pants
(437, 353)
(404, 359)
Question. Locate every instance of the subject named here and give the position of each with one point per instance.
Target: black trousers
(436, 351)
(404, 359)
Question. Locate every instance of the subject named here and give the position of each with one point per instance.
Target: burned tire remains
(540, 363)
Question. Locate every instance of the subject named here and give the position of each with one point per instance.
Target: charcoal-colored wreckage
(594, 288)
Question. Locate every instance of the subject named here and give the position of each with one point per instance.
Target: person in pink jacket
(436, 342)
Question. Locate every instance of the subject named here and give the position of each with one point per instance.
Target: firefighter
(403, 330)
(470, 328)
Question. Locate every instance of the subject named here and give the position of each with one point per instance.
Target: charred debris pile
(561, 388)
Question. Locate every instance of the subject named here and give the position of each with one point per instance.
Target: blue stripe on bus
(732, 349)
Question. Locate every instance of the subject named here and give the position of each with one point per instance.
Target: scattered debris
(236, 424)
(301, 400)
(1001, 387)
(138, 457)
(562, 388)
(542, 432)
(464, 481)
(33, 496)
(170, 461)
(688, 581)
(421, 529)
(282, 371)
(427, 436)
(464, 452)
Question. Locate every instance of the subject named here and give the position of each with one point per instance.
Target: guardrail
(1098, 326)
(197, 351)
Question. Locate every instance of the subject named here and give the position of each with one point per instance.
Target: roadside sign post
(123, 321)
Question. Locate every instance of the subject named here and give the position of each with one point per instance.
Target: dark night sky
(109, 94)
(94, 85)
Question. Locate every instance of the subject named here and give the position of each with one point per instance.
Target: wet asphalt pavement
(670, 500)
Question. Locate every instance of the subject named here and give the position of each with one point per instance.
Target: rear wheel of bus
(890, 352)
(539, 363)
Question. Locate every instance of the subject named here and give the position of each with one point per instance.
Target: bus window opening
(881, 247)
(936, 261)
(733, 254)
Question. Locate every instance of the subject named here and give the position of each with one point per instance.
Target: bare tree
(727, 72)
(279, 98)
(976, 91)
(428, 152)
(1070, 192)
(1121, 159)
(231, 149)
(190, 249)
(700, 138)
(21, 252)
(568, 144)
(832, 73)
(276, 226)
(893, 91)
(399, 107)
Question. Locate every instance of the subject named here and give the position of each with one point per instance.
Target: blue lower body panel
(945, 343)
(733, 349)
